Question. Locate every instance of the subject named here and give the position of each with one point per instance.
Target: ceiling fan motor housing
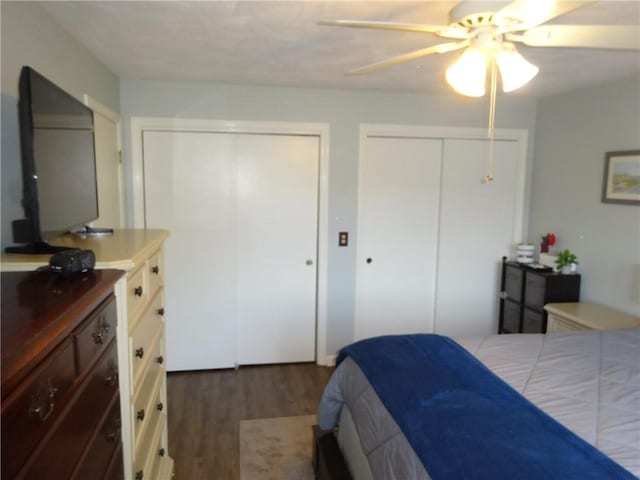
(474, 14)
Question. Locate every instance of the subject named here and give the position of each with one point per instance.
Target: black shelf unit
(524, 293)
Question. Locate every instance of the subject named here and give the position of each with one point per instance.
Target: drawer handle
(160, 359)
(115, 433)
(159, 407)
(161, 312)
(161, 452)
(137, 291)
(102, 330)
(155, 270)
(139, 475)
(42, 412)
(112, 379)
(140, 415)
(140, 352)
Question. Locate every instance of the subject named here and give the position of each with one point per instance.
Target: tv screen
(58, 159)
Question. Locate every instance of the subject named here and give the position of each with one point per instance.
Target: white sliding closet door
(277, 243)
(476, 230)
(430, 234)
(397, 235)
(190, 190)
(241, 258)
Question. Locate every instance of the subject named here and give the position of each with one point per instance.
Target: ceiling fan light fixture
(515, 70)
(467, 74)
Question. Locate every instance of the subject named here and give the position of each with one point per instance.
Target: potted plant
(566, 261)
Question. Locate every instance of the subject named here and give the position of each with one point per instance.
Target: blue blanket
(466, 423)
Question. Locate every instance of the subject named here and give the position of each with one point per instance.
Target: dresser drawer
(35, 406)
(511, 318)
(95, 334)
(151, 450)
(137, 292)
(534, 291)
(147, 407)
(71, 436)
(513, 283)
(142, 337)
(532, 321)
(155, 366)
(103, 446)
(159, 451)
(155, 268)
(559, 324)
(115, 470)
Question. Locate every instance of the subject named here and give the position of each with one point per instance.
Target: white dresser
(581, 316)
(141, 342)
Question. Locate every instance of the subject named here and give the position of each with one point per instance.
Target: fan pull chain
(492, 116)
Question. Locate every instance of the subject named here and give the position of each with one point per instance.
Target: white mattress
(587, 380)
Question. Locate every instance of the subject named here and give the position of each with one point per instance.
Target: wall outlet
(343, 239)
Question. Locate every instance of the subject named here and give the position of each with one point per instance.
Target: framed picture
(621, 182)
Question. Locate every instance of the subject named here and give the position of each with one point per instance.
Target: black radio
(72, 261)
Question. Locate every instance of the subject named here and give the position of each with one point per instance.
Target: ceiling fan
(488, 31)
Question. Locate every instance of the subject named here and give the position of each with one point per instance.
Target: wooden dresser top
(122, 250)
(38, 309)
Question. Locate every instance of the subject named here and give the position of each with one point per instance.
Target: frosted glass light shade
(467, 74)
(514, 69)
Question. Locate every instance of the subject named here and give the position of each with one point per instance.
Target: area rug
(276, 448)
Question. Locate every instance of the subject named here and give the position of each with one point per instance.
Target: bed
(583, 384)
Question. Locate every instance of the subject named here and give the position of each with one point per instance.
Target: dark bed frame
(328, 462)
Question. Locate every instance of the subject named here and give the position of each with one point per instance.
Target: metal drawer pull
(369, 260)
(161, 312)
(155, 270)
(140, 415)
(160, 359)
(112, 380)
(137, 291)
(115, 433)
(102, 330)
(139, 475)
(42, 412)
(140, 352)
(161, 452)
(159, 407)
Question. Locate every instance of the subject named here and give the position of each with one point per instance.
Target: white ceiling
(280, 43)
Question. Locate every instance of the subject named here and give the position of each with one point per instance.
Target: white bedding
(587, 380)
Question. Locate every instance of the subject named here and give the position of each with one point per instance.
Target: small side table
(586, 316)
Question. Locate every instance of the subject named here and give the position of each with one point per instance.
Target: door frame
(321, 130)
(520, 136)
(114, 117)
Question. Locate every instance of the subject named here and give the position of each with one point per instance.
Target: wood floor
(205, 409)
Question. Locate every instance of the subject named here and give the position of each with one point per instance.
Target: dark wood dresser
(525, 292)
(60, 399)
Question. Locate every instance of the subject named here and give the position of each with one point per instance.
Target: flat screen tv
(58, 164)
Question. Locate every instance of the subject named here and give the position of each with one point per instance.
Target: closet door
(190, 190)
(397, 235)
(277, 248)
(476, 230)
(241, 210)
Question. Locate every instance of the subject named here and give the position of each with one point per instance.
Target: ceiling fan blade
(620, 37)
(443, 31)
(423, 52)
(530, 13)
